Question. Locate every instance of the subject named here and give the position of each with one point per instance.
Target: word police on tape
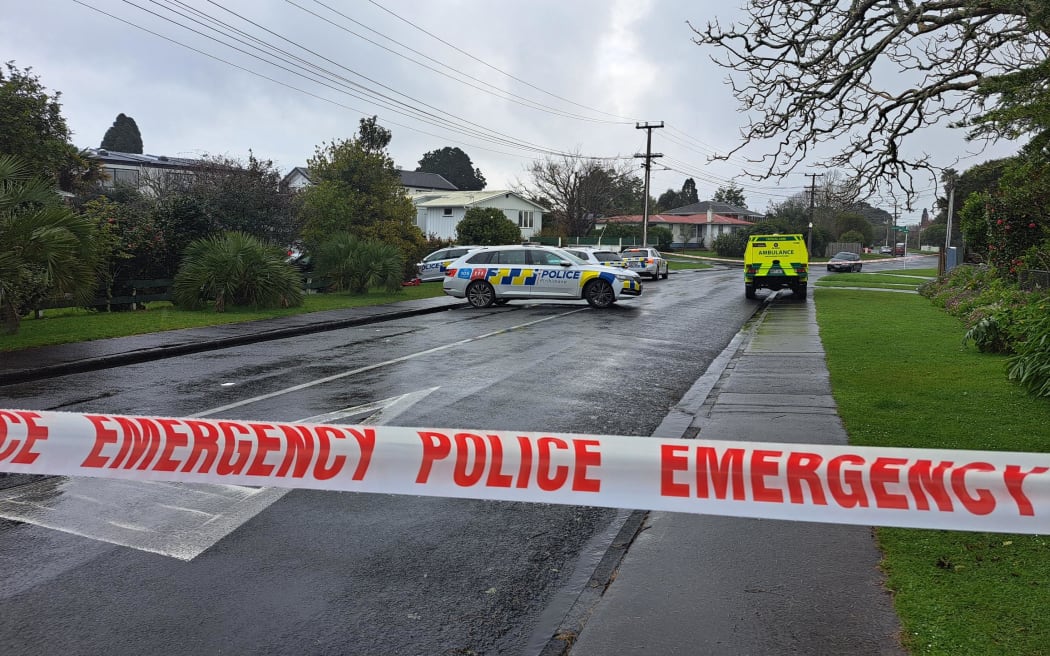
(924, 488)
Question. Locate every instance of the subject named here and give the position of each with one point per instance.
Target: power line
(498, 70)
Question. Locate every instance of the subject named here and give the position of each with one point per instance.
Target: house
(716, 207)
(143, 171)
(414, 182)
(437, 213)
(687, 230)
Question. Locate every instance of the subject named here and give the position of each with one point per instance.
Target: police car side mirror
(565, 264)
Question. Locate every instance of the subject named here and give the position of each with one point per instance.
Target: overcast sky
(505, 81)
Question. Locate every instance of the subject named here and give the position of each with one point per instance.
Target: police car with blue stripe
(433, 266)
(497, 274)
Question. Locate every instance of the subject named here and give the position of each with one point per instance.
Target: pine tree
(123, 136)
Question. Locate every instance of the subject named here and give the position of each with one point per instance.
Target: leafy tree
(128, 244)
(933, 235)
(821, 71)
(123, 136)
(182, 220)
(242, 198)
(671, 199)
(485, 226)
(731, 244)
(455, 166)
(973, 223)
(731, 194)
(32, 127)
(849, 222)
(853, 237)
(47, 249)
(235, 269)
(357, 190)
(579, 190)
(662, 236)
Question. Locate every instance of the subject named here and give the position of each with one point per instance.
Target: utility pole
(812, 207)
(648, 156)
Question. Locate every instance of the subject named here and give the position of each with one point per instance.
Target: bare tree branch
(869, 75)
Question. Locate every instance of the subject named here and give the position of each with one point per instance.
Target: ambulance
(776, 262)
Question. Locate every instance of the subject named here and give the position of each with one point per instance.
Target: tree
(823, 70)
(357, 190)
(455, 166)
(47, 249)
(32, 128)
(487, 226)
(123, 136)
(578, 190)
(242, 197)
(850, 222)
(731, 194)
(671, 199)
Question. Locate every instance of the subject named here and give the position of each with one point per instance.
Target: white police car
(497, 274)
(433, 266)
(591, 255)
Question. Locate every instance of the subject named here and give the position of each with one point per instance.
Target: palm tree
(45, 248)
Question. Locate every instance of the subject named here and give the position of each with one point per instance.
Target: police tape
(921, 488)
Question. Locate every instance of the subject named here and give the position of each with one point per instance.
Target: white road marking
(178, 520)
(379, 365)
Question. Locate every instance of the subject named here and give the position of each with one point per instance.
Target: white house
(437, 213)
(143, 171)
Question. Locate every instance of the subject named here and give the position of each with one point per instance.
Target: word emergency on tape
(921, 488)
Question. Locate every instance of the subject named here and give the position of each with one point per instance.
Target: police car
(433, 266)
(647, 260)
(602, 256)
(497, 274)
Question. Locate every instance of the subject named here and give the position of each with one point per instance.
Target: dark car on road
(844, 261)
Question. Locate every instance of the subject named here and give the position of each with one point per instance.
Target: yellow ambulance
(776, 262)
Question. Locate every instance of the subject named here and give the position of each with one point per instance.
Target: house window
(525, 218)
(125, 177)
(446, 211)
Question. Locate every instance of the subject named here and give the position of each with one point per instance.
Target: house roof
(667, 219)
(135, 159)
(301, 170)
(465, 198)
(420, 179)
(718, 208)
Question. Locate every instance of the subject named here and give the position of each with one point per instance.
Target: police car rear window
(484, 257)
(606, 257)
(635, 253)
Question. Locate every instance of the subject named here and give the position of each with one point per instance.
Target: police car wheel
(599, 294)
(480, 294)
(667, 272)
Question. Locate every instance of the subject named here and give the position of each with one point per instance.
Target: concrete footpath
(687, 584)
(699, 585)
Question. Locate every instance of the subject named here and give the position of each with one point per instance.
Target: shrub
(661, 236)
(487, 226)
(357, 264)
(1031, 365)
(236, 269)
(731, 244)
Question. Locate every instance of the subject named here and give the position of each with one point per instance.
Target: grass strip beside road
(80, 325)
(902, 378)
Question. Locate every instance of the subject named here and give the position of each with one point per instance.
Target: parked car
(498, 274)
(885, 250)
(433, 266)
(597, 256)
(899, 248)
(646, 260)
(844, 261)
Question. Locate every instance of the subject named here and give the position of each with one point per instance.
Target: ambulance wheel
(749, 291)
(599, 294)
(480, 294)
(800, 292)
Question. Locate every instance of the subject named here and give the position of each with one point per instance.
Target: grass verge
(902, 378)
(79, 325)
(679, 265)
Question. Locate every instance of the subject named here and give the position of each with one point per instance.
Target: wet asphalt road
(330, 573)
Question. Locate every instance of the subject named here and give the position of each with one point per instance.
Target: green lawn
(78, 325)
(902, 378)
(679, 265)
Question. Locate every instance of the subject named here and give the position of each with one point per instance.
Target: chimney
(710, 215)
